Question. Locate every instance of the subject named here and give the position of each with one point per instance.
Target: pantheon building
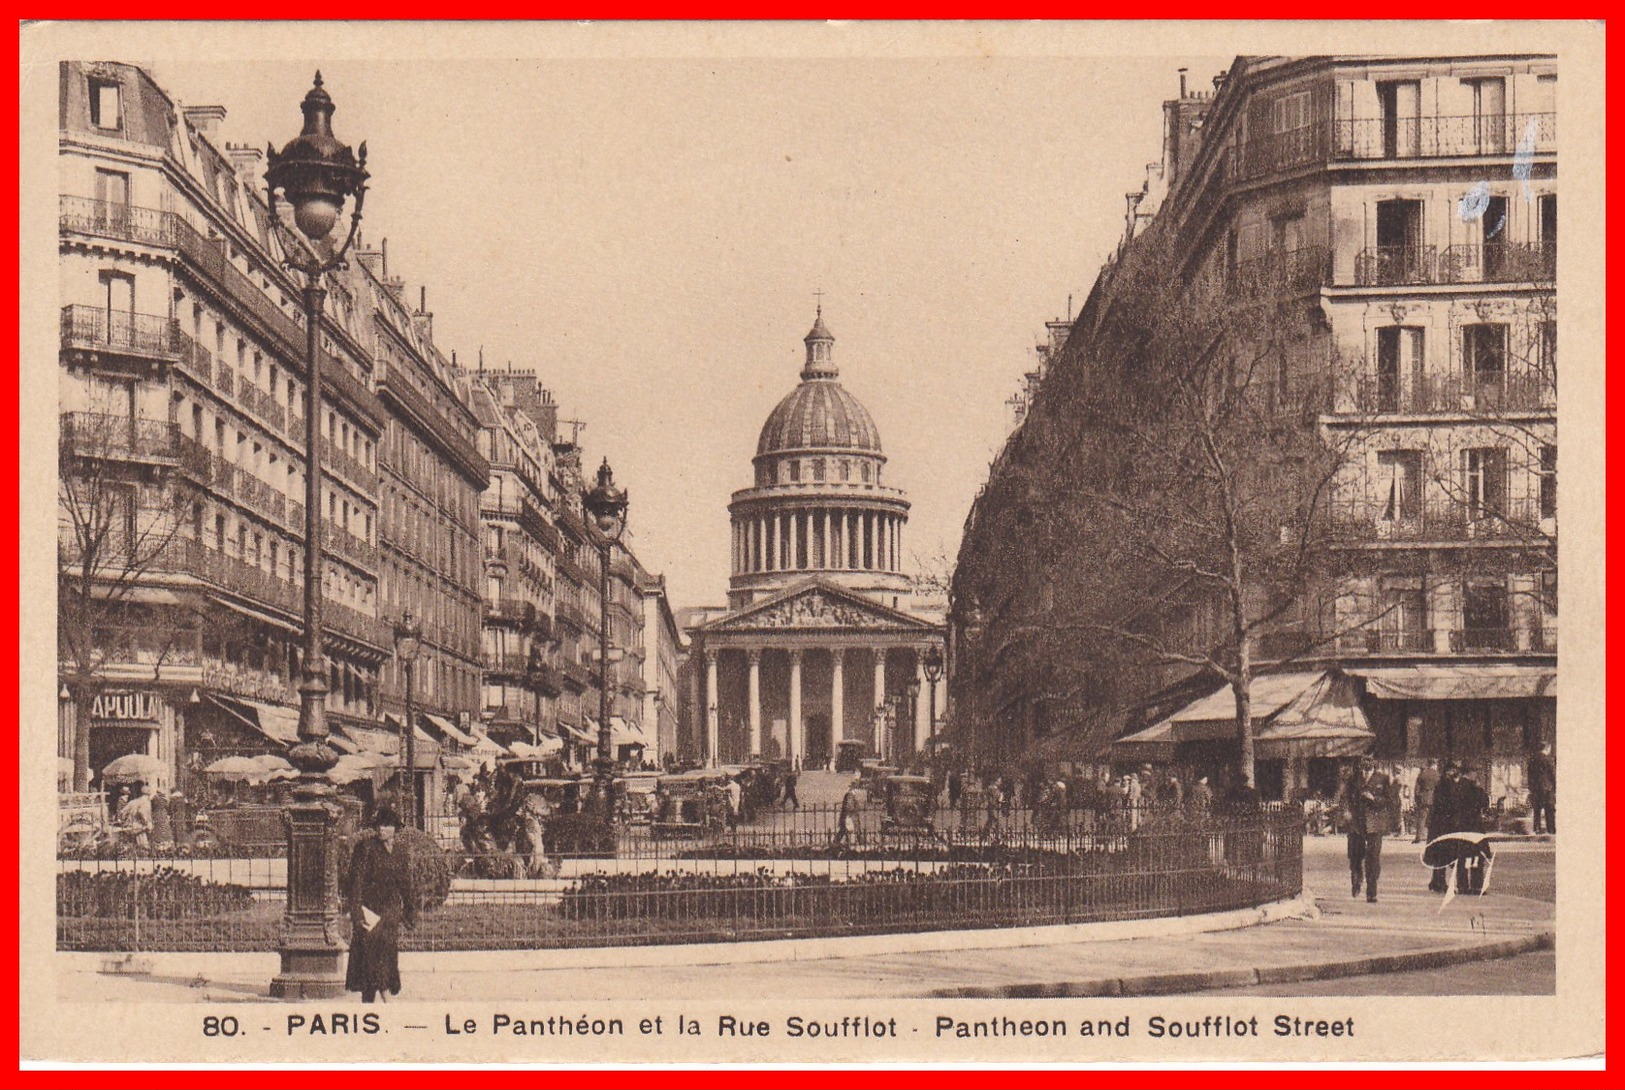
(818, 643)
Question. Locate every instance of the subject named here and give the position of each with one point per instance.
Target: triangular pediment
(818, 606)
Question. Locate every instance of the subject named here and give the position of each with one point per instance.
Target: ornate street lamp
(907, 728)
(931, 663)
(407, 637)
(607, 505)
(315, 174)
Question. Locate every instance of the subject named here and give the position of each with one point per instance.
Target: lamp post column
(754, 655)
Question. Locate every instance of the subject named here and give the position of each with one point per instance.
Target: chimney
(423, 320)
(205, 119)
(249, 163)
(1182, 74)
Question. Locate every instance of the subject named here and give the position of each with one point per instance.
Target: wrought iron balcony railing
(97, 329)
(1436, 137)
(127, 438)
(1487, 393)
(1382, 266)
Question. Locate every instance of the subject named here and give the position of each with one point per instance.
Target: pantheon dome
(818, 506)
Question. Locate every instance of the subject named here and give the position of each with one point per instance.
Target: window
(1399, 369)
(104, 104)
(1548, 355)
(1483, 353)
(795, 470)
(818, 469)
(1484, 473)
(1548, 481)
(1484, 616)
(1401, 124)
(1399, 477)
(1489, 115)
(1402, 624)
(1400, 258)
(1290, 112)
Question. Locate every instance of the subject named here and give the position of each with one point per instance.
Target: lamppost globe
(932, 663)
(315, 171)
(407, 637)
(607, 504)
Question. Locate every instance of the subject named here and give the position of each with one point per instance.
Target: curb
(1149, 984)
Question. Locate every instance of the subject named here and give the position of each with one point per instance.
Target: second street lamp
(931, 663)
(316, 174)
(407, 638)
(607, 505)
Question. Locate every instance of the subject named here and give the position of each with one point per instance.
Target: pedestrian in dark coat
(381, 901)
(1543, 790)
(1427, 785)
(1367, 798)
(1458, 807)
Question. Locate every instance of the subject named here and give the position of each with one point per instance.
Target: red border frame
(1151, 1075)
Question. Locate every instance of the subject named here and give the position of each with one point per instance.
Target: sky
(647, 233)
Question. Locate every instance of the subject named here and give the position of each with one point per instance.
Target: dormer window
(104, 104)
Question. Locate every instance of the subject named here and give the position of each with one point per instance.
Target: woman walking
(381, 900)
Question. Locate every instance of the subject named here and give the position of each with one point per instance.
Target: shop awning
(622, 733)
(387, 744)
(586, 737)
(279, 724)
(1306, 713)
(1269, 693)
(450, 730)
(418, 732)
(485, 744)
(1472, 681)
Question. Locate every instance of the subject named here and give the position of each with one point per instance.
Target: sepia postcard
(811, 543)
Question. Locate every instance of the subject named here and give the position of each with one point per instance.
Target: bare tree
(117, 524)
(1185, 494)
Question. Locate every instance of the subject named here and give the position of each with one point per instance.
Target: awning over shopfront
(450, 730)
(1471, 681)
(589, 738)
(387, 744)
(1313, 714)
(279, 724)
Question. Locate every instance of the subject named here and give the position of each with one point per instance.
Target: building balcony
(1387, 642)
(509, 611)
(96, 332)
(570, 615)
(256, 495)
(1482, 639)
(347, 545)
(148, 645)
(506, 664)
(1282, 273)
(1490, 393)
(1503, 263)
(351, 469)
(262, 406)
(1387, 266)
(577, 676)
(1394, 140)
(1518, 523)
(110, 437)
(1444, 137)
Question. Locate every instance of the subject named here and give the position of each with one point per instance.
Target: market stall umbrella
(233, 768)
(135, 766)
(271, 762)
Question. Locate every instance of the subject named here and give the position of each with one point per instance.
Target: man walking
(1427, 784)
(1366, 799)
(1543, 789)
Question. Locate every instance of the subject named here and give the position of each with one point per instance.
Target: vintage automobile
(908, 806)
(635, 793)
(690, 804)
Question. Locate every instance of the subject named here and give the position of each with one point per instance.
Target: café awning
(1469, 681)
(279, 724)
(1306, 713)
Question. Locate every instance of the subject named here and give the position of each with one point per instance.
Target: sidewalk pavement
(1324, 935)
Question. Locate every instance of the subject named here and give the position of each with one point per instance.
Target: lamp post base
(310, 973)
(312, 949)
